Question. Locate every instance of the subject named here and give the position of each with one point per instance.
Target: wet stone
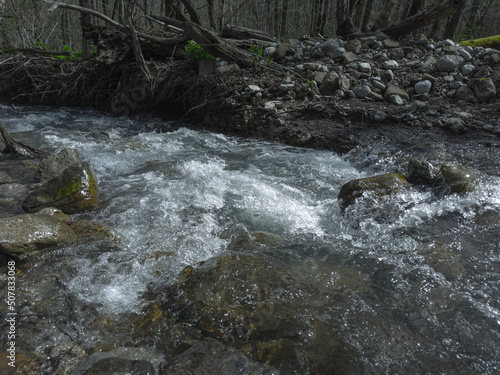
(4, 178)
(24, 234)
(379, 186)
(74, 190)
(423, 87)
(460, 178)
(211, 357)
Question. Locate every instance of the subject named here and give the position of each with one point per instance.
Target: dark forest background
(26, 23)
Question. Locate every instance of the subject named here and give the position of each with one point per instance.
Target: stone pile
(424, 76)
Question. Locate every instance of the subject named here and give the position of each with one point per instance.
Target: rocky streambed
(226, 255)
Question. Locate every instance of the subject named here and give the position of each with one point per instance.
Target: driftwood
(217, 46)
(210, 41)
(237, 32)
(13, 147)
(37, 51)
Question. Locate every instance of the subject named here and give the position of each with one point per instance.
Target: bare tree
(431, 15)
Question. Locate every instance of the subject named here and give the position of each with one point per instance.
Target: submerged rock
(295, 318)
(23, 234)
(443, 260)
(379, 186)
(209, 356)
(134, 361)
(97, 231)
(460, 178)
(74, 190)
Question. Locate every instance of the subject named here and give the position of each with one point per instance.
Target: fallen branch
(13, 147)
(152, 38)
(37, 51)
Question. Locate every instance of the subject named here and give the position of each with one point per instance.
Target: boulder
(52, 165)
(450, 63)
(301, 318)
(362, 91)
(74, 190)
(422, 172)
(330, 84)
(483, 88)
(281, 314)
(460, 178)
(423, 87)
(395, 90)
(379, 186)
(23, 234)
(4, 178)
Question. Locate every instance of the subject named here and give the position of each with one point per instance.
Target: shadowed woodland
(26, 24)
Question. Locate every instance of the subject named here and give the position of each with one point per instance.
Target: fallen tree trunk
(217, 46)
(210, 41)
(237, 32)
(13, 147)
(427, 17)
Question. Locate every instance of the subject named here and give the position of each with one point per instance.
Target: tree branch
(152, 38)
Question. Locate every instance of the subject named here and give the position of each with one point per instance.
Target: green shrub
(195, 52)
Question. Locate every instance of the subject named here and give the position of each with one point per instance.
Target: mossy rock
(381, 185)
(75, 190)
(489, 42)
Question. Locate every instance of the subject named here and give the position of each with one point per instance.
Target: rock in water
(74, 190)
(460, 178)
(381, 185)
(26, 233)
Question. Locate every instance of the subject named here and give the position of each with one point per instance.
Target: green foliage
(259, 51)
(41, 46)
(195, 52)
(74, 55)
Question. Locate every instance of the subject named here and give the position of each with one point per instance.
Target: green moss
(490, 42)
(72, 188)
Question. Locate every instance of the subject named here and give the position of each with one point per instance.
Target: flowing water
(178, 192)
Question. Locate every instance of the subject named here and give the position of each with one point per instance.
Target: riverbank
(325, 94)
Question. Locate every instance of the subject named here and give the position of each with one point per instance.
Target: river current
(176, 191)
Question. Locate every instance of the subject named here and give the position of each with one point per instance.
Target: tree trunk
(86, 23)
(452, 25)
(358, 18)
(415, 6)
(284, 14)
(193, 14)
(65, 29)
(431, 15)
(367, 16)
(238, 32)
(217, 46)
(221, 14)
(211, 17)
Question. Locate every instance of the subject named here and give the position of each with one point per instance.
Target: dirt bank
(326, 94)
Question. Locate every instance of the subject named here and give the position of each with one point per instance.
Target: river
(177, 191)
